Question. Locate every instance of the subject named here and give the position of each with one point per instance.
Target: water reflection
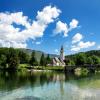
(48, 86)
(28, 98)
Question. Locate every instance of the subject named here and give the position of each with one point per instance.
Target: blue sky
(75, 24)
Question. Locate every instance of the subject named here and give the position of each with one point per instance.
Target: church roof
(58, 60)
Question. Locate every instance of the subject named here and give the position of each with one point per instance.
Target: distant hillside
(93, 52)
(88, 53)
(38, 53)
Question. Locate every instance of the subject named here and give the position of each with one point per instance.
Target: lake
(48, 86)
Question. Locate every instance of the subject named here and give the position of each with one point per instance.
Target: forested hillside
(83, 58)
(11, 58)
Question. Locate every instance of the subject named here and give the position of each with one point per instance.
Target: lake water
(48, 86)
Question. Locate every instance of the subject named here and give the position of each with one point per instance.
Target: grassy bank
(27, 66)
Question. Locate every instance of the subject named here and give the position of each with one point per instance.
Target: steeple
(62, 53)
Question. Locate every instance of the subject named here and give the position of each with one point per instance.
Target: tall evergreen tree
(13, 60)
(23, 57)
(42, 60)
(3, 61)
(48, 59)
(33, 60)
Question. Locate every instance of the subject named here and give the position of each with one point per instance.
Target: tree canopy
(33, 60)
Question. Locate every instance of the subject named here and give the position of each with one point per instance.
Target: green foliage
(55, 68)
(89, 61)
(43, 60)
(13, 60)
(33, 60)
(87, 58)
(96, 60)
(23, 57)
(3, 61)
(10, 57)
(48, 59)
(80, 59)
(93, 52)
(71, 63)
(81, 71)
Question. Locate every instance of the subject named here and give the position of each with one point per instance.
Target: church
(59, 61)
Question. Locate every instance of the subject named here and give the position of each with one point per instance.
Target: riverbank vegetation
(13, 59)
(84, 58)
(81, 71)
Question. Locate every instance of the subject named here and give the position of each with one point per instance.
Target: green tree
(13, 60)
(71, 63)
(67, 60)
(3, 61)
(48, 59)
(80, 59)
(23, 57)
(33, 60)
(96, 59)
(42, 60)
(89, 60)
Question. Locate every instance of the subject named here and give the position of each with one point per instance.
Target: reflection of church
(59, 61)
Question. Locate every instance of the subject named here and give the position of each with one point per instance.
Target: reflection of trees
(60, 78)
(13, 80)
(61, 87)
(32, 79)
(70, 76)
(43, 79)
(6, 78)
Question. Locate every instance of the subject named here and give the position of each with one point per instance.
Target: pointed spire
(62, 47)
(62, 53)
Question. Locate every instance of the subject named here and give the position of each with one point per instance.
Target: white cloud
(13, 37)
(76, 38)
(82, 45)
(14, 44)
(18, 18)
(47, 14)
(63, 27)
(73, 24)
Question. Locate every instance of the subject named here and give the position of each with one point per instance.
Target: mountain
(38, 53)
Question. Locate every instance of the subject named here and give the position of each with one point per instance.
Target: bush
(71, 63)
(81, 71)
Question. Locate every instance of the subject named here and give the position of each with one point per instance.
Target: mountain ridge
(38, 53)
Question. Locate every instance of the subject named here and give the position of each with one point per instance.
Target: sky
(46, 25)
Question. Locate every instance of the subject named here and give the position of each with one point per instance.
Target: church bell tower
(62, 53)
